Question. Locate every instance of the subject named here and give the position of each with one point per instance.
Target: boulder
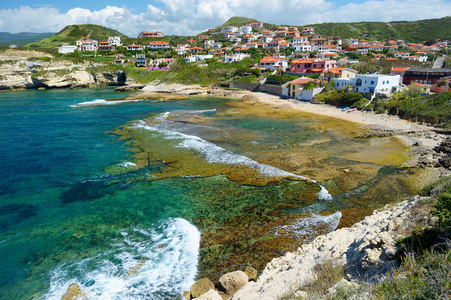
(251, 273)
(74, 293)
(233, 281)
(210, 295)
(201, 287)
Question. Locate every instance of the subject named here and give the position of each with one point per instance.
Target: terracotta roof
(302, 80)
(159, 43)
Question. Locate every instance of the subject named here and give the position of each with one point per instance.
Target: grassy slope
(412, 31)
(72, 33)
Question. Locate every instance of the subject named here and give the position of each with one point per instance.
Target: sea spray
(161, 266)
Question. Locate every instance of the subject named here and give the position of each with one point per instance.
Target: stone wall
(256, 87)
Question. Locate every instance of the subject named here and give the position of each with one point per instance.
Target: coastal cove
(138, 198)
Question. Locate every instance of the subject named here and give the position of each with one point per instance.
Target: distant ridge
(412, 31)
(72, 33)
(22, 38)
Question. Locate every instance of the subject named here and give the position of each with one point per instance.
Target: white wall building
(376, 84)
(229, 29)
(235, 57)
(246, 29)
(196, 58)
(115, 40)
(64, 49)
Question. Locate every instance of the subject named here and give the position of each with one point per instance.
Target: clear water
(114, 197)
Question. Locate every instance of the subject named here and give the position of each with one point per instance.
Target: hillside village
(286, 52)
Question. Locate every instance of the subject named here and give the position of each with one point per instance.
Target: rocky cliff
(30, 70)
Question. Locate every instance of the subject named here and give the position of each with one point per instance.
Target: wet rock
(187, 295)
(233, 281)
(74, 293)
(251, 273)
(201, 287)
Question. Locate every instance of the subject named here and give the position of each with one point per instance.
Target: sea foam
(162, 263)
(101, 102)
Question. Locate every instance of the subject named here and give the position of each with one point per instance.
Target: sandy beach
(369, 119)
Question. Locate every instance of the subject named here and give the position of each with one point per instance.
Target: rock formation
(366, 250)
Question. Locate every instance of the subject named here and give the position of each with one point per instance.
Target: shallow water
(132, 200)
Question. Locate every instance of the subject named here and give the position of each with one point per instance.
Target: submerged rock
(74, 293)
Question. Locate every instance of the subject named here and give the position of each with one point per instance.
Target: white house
(246, 29)
(235, 57)
(196, 58)
(229, 29)
(266, 39)
(158, 45)
(375, 84)
(66, 48)
(134, 48)
(115, 40)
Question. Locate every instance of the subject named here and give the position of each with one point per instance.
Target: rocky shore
(365, 250)
(368, 248)
(35, 70)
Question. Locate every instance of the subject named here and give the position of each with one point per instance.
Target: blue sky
(189, 17)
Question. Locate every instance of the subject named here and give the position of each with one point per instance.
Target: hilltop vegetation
(237, 21)
(412, 31)
(72, 33)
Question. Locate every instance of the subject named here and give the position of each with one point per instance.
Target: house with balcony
(312, 65)
(307, 30)
(370, 84)
(141, 60)
(147, 34)
(134, 47)
(105, 46)
(156, 45)
(424, 75)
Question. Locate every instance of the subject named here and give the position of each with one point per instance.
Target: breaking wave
(160, 264)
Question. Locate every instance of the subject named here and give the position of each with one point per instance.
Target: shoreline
(421, 140)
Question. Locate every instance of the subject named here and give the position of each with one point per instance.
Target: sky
(190, 17)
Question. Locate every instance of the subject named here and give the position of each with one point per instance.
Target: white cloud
(189, 17)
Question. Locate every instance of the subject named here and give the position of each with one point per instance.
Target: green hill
(237, 21)
(412, 31)
(70, 34)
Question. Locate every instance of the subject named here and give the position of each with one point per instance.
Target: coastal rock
(74, 293)
(365, 249)
(210, 295)
(251, 273)
(170, 88)
(201, 287)
(233, 281)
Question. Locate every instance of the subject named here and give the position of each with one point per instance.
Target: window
(372, 81)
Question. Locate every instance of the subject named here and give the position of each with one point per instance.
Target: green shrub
(443, 209)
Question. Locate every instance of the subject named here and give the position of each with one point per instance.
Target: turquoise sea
(121, 214)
